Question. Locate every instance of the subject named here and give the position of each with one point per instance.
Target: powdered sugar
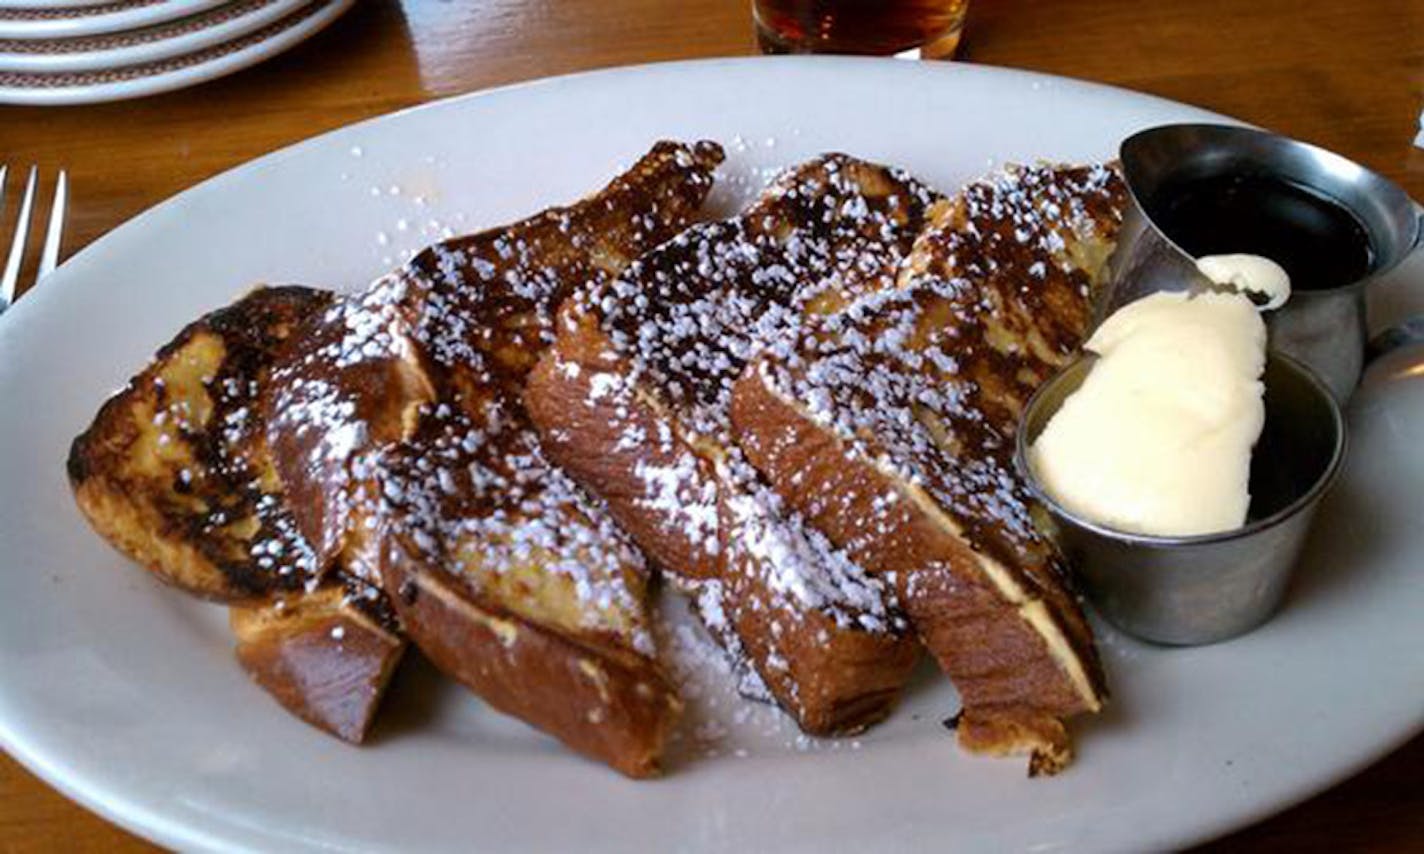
(684, 321)
(694, 312)
(802, 565)
(677, 494)
(457, 475)
(243, 527)
(899, 375)
(456, 490)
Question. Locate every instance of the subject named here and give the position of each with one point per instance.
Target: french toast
(890, 426)
(803, 416)
(173, 469)
(632, 401)
(174, 472)
(398, 431)
(514, 582)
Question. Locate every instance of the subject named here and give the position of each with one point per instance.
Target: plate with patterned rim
(67, 21)
(124, 695)
(46, 4)
(170, 39)
(259, 31)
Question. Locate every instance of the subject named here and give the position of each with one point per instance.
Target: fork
(49, 255)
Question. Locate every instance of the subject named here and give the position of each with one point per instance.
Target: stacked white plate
(84, 51)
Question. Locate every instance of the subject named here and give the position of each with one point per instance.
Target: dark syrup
(1318, 241)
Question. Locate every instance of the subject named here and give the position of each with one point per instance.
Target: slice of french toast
(174, 472)
(521, 587)
(398, 431)
(632, 400)
(891, 425)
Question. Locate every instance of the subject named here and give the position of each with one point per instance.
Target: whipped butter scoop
(1157, 439)
(1254, 274)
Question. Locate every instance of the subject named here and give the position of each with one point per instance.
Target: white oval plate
(150, 77)
(63, 21)
(150, 44)
(124, 694)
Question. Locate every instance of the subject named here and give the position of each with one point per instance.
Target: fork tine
(49, 257)
(17, 246)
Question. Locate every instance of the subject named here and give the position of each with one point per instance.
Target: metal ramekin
(1205, 588)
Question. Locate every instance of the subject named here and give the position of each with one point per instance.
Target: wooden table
(1347, 74)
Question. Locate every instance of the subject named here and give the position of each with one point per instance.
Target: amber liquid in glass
(874, 27)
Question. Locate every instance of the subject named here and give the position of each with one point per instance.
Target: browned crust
(151, 515)
(140, 532)
(323, 659)
(598, 698)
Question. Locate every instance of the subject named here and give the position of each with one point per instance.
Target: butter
(1248, 273)
(1158, 438)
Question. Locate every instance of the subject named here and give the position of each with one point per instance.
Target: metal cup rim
(1250, 130)
(1163, 541)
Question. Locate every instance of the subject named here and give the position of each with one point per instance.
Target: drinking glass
(921, 29)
